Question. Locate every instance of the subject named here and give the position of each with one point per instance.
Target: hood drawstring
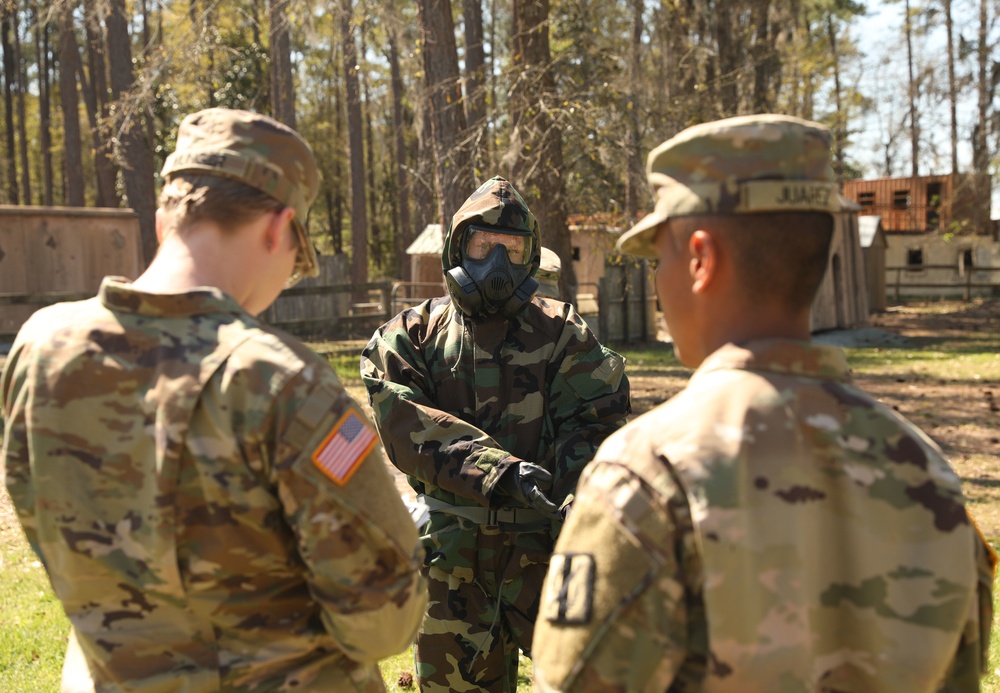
(461, 342)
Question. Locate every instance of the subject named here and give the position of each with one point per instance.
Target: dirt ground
(975, 402)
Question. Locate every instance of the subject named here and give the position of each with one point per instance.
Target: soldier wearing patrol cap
(211, 507)
(491, 400)
(549, 269)
(770, 528)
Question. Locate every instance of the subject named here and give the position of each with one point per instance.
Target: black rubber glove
(522, 483)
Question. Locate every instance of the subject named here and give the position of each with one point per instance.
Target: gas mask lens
(481, 243)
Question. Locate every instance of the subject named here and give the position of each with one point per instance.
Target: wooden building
(937, 230)
(51, 254)
(842, 299)
(873, 248)
(425, 264)
(956, 203)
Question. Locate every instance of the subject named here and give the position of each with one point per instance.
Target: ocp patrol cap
(743, 165)
(257, 151)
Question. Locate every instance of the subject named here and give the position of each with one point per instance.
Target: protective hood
(495, 203)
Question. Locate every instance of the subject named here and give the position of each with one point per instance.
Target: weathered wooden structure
(627, 302)
(956, 203)
(873, 247)
(425, 264)
(52, 254)
(937, 230)
(842, 299)
(312, 306)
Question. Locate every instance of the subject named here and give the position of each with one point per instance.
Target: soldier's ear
(278, 227)
(160, 224)
(703, 263)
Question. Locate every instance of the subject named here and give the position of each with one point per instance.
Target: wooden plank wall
(320, 308)
(45, 250)
(842, 300)
(963, 199)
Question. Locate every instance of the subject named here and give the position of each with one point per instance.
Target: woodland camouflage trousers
(471, 634)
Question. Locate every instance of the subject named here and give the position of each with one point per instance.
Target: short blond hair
(188, 198)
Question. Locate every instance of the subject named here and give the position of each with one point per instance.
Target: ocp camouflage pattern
(255, 150)
(742, 165)
(770, 529)
(157, 449)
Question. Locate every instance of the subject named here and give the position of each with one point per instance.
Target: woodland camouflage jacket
(458, 402)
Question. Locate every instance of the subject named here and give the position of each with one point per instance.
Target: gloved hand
(522, 483)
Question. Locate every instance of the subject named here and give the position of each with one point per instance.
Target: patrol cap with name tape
(743, 165)
(548, 273)
(259, 152)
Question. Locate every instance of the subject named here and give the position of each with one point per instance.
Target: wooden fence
(943, 280)
(626, 303)
(53, 254)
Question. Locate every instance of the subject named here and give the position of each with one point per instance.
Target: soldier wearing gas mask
(491, 400)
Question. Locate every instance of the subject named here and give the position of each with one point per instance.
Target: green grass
(33, 627)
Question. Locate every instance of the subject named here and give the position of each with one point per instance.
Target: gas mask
(487, 282)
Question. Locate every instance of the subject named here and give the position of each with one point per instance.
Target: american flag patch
(345, 448)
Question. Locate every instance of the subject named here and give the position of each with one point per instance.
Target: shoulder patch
(569, 591)
(345, 447)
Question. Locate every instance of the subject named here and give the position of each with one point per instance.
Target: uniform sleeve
(589, 399)
(15, 464)
(615, 612)
(354, 533)
(421, 440)
(972, 657)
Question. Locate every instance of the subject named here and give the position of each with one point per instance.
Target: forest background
(410, 104)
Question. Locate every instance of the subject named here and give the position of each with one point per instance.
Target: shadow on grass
(985, 482)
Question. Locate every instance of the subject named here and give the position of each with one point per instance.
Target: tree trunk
(69, 99)
(282, 86)
(634, 171)
(453, 170)
(337, 213)
(980, 149)
(95, 96)
(729, 96)
(475, 84)
(426, 203)
(355, 138)
(375, 232)
(22, 127)
(764, 56)
(980, 152)
(403, 269)
(538, 170)
(258, 70)
(9, 79)
(840, 118)
(912, 95)
(136, 154)
(44, 114)
(952, 87)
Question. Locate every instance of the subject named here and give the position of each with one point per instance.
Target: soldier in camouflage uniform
(491, 400)
(211, 507)
(549, 270)
(771, 528)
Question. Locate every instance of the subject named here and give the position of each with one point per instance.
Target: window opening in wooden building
(933, 205)
(900, 199)
(866, 199)
(915, 258)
